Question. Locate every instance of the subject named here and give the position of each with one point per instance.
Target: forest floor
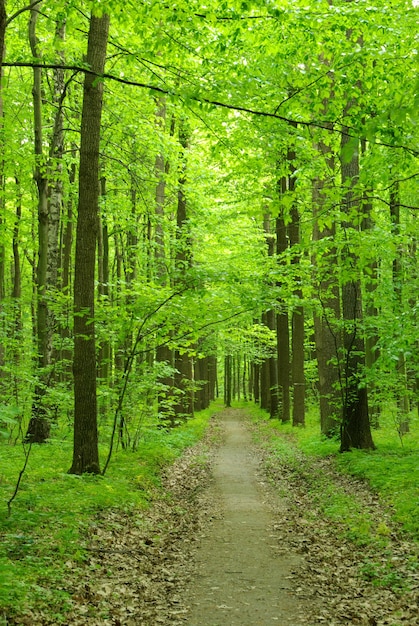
(238, 539)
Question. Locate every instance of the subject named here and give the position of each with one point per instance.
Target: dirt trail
(242, 578)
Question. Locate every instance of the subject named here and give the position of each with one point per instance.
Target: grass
(53, 510)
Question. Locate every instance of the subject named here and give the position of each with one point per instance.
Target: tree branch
(330, 126)
(29, 7)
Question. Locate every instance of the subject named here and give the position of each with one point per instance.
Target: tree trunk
(265, 382)
(212, 376)
(65, 277)
(3, 22)
(85, 450)
(17, 281)
(39, 424)
(282, 321)
(160, 168)
(227, 380)
(326, 319)
(164, 355)
(371, 311)
(401, 373)
(104, 351)
(297, 350)
(355, 428)
(256, 382)
(183, 378)
(272, 362)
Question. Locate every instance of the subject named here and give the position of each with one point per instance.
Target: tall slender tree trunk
(371, 311)
(183, 379)
(228, 367)
(272, 360)
(327, 318)
(66, 243)
(403, 403)
(85, 449)
(164, 354)
(39, 424)
(298, 332)
(17, 287)
(104, 352)
(256, 382)
(265, 381)
(283, 333)
(3, 23)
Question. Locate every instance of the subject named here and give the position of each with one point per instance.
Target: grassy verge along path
(358, 531)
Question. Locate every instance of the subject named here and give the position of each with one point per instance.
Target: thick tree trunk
(85, 450)
(355, 428)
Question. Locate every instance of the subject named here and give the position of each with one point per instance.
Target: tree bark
(282, 321)
(403, 404)
(3, 22)
(183, 378)
(39, 424)
(273, 360)
(85, 449)
(326, 319)
(298, 332)
(371, 311)
(355, 427)
(227, 380)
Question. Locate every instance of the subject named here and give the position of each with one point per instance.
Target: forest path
(242, 577)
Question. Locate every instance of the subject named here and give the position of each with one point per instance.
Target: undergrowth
(53, 509)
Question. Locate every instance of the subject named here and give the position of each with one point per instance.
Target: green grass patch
(53, 510)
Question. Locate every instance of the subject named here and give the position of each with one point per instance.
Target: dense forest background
(204, 200)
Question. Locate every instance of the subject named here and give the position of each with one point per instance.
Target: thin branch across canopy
(334, 127)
